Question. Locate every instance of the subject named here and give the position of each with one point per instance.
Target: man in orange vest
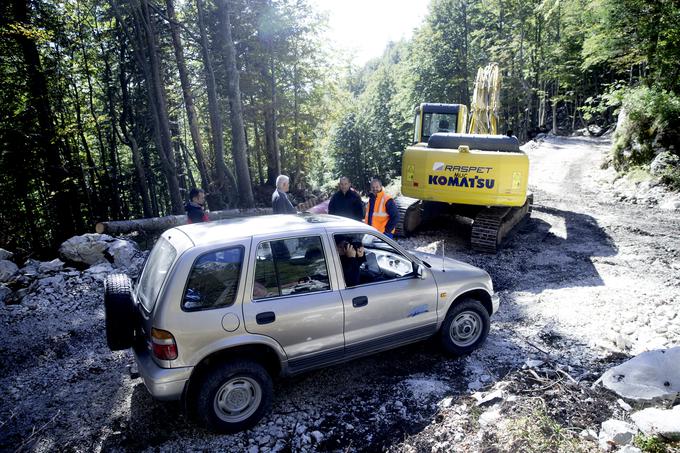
(381, 213)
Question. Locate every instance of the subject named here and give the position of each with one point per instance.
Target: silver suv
(221, 308)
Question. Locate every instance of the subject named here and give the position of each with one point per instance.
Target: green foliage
(636, 36)
(649, 444)
(651, 124)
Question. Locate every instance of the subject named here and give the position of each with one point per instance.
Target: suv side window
(213, 281)
(365, 258)
(290, 266)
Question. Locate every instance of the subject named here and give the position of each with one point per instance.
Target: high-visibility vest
(380, 216)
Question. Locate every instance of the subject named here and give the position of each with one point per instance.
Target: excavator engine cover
(494, 172)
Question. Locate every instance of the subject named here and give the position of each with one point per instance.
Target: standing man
(280, 202)
(196, 206)
(346, 201)
(381, 213)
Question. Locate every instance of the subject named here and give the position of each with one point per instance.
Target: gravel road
(591, 277)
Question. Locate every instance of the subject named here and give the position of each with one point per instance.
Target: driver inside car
(352, 256)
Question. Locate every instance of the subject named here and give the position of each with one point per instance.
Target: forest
(114, 110)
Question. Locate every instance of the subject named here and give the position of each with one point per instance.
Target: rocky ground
(590, 280)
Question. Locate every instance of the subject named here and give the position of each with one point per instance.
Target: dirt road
(585, 277)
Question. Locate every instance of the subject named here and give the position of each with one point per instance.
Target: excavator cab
(433, 118)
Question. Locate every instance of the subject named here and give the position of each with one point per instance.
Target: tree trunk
(238, 139)
(55, 174)
(271, 142)
(215, 117)
(188, 96)
(160, 108)
(152, 224)
(130, 139)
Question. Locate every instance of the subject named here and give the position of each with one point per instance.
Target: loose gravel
(590, 279)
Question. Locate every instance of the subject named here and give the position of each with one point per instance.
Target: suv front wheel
(465, 327)
(234, 396)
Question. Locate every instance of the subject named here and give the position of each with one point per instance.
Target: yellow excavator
(470, 171)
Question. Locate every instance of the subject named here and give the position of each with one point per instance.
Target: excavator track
(493, 224)
(410, 215)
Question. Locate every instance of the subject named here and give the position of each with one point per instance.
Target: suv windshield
(156, 269)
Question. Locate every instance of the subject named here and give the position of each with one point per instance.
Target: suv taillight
(163, 344)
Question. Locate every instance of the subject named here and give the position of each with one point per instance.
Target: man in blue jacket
(346, 201)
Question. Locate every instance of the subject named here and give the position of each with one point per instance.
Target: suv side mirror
(419, 271)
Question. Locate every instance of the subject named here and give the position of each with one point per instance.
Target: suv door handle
(266, 317)
(360, 301)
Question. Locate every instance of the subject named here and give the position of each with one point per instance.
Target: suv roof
(209, 232)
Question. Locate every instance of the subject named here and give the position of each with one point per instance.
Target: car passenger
(351, 258)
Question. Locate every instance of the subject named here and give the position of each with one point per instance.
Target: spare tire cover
(474, 141)
(120, 313)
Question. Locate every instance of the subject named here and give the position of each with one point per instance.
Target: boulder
(616, 432)
(650, 376)
(123, 253)
(56, 265)
(659, 422)
(4, 293)
(86, 249)
(663, 161)
(5, 255)
(7, 270)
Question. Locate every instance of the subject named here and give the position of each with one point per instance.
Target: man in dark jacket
(196, 206)
(280, 202)
(346, 201)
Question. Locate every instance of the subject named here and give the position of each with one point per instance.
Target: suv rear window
(155, 271)
(290, 266)
(213, 281)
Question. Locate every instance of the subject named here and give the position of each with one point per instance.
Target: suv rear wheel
(465, 327)
(234, 396)
(119, 309)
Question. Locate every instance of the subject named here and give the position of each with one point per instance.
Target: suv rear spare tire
(465, 327)
(234, 396)
(119, 309)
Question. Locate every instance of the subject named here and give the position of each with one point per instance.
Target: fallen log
(155, 224)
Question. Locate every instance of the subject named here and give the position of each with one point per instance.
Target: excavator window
(438, 122)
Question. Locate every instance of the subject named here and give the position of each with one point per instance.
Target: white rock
(589, 434)
(55, 265)
(88, 248)
(318, 437)
(616, 432)
(649, 376)
(625, 406)
(5, 255)
(123, 252)
(628, 449)
(671, 204)
(4, 293)
(490, 416)
(7, 270)
(102, 268)
(488, 397)
(662, 422)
